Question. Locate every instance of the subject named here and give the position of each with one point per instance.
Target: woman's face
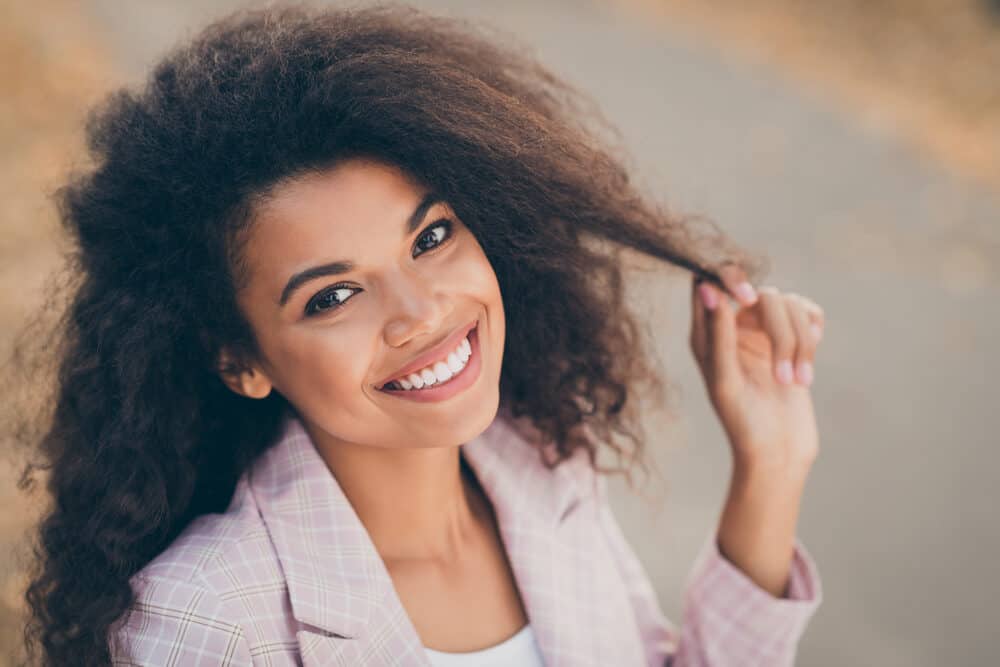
(329, 340)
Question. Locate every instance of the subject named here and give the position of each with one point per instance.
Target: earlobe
(243, 380)
(254, 384)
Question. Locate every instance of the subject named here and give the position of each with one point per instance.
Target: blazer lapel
(569, 582)
(340, 589)
(337, 582)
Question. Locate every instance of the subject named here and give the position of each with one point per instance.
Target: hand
(746, 353)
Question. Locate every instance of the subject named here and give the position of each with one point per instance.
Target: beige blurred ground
(855, 142)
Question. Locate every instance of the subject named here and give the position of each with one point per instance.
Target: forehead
(355, 191)
(346, 212)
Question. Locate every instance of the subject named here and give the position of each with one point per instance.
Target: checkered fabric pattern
(288, 575)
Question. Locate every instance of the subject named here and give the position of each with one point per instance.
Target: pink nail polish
(746, 291)
(708, 297)
(785, 375)
(805, 373)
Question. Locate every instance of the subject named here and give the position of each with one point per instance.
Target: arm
(755, 356)
(757, 528)
(176, 623)
(728, 619)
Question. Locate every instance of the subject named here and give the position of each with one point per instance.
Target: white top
(521, 650)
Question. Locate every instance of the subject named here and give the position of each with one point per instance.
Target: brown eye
(431, 238)
(334, 297)
(328, 299)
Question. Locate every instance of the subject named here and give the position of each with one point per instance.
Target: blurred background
(857, 143)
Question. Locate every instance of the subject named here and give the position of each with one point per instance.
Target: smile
(457, 371)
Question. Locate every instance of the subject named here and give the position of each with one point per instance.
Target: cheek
(481, 285)
(474, 275)
(322, 365)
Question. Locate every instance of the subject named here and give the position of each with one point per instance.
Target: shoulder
(219, 552)
(176, 622)
(196, 600)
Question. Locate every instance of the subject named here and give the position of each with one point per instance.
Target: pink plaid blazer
(288, 575)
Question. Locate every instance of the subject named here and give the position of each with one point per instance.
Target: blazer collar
(335, 577)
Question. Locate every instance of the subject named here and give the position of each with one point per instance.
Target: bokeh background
(857, 143)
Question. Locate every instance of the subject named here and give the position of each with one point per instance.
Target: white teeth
(441, 371)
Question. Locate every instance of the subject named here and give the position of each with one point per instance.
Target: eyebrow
(343, 266)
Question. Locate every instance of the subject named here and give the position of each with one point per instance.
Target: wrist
(757, 528)
(771, 470)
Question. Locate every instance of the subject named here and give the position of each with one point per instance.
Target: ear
(243, 379)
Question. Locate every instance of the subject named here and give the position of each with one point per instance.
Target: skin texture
(745, 351)
(397, 460)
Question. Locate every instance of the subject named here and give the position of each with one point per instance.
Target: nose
(415, 306)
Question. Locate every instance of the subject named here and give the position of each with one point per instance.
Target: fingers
(778, 324)
(722, 351)
(699, 336)
(713, 332)
(735, 280)
(793, 323)
(806, 348)
(817, 319)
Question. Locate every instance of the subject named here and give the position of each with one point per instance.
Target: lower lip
(454, 385)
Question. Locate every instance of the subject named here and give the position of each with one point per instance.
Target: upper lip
(432, 354)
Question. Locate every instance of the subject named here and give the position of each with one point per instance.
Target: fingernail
(785, 371)
(746, 292)
(708, 297)
(817, 330)
(805, 372)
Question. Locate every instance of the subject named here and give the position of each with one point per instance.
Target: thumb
(723, 358)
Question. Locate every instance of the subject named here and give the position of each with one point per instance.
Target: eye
(332, 298)
(328, 299)
(435, 235)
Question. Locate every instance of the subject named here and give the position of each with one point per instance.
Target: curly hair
(141, 434)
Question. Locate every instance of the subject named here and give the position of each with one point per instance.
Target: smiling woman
(416, 284)
(347, 334)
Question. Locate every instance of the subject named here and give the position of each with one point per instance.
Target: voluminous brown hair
(143, 436)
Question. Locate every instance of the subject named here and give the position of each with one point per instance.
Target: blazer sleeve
(178, 623)
(727, 619)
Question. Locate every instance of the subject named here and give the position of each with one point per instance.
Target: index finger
(735, 280)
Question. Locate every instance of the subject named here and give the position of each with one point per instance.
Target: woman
(347, 339)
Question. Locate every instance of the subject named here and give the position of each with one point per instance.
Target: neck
(416, 504)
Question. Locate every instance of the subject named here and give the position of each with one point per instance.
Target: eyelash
(311, 309)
